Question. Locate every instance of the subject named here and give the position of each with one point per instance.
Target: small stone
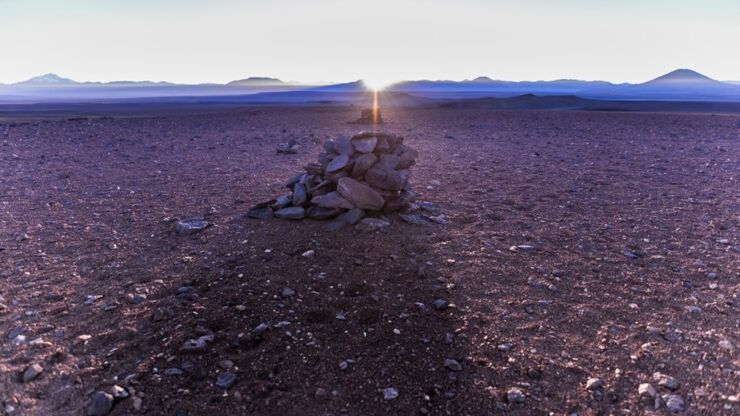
(226, 364)
(118, 392)
(647, 394)
(390, 393)
(343, 365)
(196, 345)
(33, 371)
(135, 298)
(674, 403)
(711, 275)
(594, 383)
(332, 200)
(287, 293)
(226, 380)
(300, 196)
(515, 395)
(309, 253)
(365, 144)
(504, 347)
(291, 213)
(440, 304)
(191, 225)
(692, 309)
(630, 254)
(666, 381)
(261, 329)
(173, 372)
(452, 364)
(101, 404)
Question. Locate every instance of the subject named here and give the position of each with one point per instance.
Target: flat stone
(337, 163)
(360, 195)
(320, 213)
(291, 213)
(191, 225)
(365, 144)
(372, 224)
(282, 202)
(350, 217)
(384, 178)
(389, 161)
(261, 329)
(414, 219)
(118, 392)
(264, 213)
(332, 200)
(363, 163)
(101, 404)
(287, 292)
(33, 371)
(343, 146)
(196, 345)
(135, 298)
(300, 196)
(226, 380)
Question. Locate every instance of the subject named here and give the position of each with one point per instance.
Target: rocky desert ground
(588, 266)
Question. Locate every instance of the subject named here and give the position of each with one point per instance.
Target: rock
(135, 298)
(261, 329)
(515, 395)
(174, 371)
(692, 309)
(372, 224)
(101, 404)
(321, 213)
(364, 144)
(196, 345)
(287, 148)
(359, 194)
(337, 163)
(287, 293)
(674, 403)
(666, 381)
(711, 275)
(33, 371)
(389, 161)
(726, 345)
(291, 213)
(226, 364)
(300, 196)
(226, 380)
(630, 254)
(264, 213)
(594, 383)
(647, 394)
(343, 146)
(282, 202)
(308, 253)
(118, 392)
(363, 163)
(390, 393)
(414, 219)
(343, 365)
(452, 364)
(332, 200)
(440, 304)
(191, 225)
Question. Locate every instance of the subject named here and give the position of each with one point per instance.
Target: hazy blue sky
(340, 40)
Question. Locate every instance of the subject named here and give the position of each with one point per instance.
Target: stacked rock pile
(367, 117)
(356, 179)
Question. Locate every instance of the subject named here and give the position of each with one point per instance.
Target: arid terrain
(586, 253)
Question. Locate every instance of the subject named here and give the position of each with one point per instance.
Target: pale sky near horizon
(191, 41)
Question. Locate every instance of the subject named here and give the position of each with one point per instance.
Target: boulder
(359, 194)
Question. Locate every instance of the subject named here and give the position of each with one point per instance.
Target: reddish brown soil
(98, 199)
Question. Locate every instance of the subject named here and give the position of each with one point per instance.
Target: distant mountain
(681, 76)
(48, 79)
(256, 82)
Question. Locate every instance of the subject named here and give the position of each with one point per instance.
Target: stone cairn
(366, 117)
(357, 180)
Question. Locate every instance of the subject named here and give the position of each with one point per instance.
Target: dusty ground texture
(581, 245)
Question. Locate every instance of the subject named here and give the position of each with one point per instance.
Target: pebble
(190, 226)
(287, 292)
(647, 394)
(196, 345)
(135, 298)
(390, 393)
(452, 364)
(726, 345)
(101, 404)
(630, 254)
(440, 304)
(261, 329)
(226, 380)
(594, 383)
(674, 403)
(515, 395)
(226, 364)
(309, 253)
(666, 381)
(33, 371)
(118, 392)
(343, 365)
(173, 372)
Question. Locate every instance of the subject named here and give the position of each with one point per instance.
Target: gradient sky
(192, 41)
